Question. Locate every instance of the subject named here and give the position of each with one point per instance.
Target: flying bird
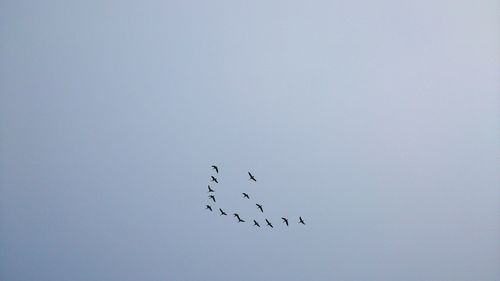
(260, 207)
(222, 213)
(245, 195)
(214, 179)
(269, 223)
(215, 168)
(301, 221)
(212, 197)
(285, 221)
(209, 208)
(256, 223)
(251, 176)
(210, 189)
(238, 217)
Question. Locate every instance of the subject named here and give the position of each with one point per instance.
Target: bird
(269, 223)
(214, 179)
(238, 217)
(301, 221)
(245, 195)
(222, 213)
(215, 168)
(285, 221)
(209, 208)
(260, 207)
(256, 223)
(251, 176)
(210, 189)
(212, 197)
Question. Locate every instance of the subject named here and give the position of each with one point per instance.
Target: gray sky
(377, 121)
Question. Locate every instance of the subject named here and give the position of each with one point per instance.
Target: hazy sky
(377, 121)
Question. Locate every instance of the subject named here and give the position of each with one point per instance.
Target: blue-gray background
(377, 121)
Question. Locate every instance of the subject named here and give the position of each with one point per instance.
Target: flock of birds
(211, 196)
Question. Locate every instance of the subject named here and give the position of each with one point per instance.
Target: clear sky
(376, 121)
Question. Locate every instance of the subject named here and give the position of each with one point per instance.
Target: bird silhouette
(285, 221)
(256, 223)
(215, 168)
(212, 197)
(210, 189)
(301, 221)
(269, 223)
(238, 217)
(209, 208)
(214, 179)
(260, 207)
(222, 213)
(251, 176)
(245, 195)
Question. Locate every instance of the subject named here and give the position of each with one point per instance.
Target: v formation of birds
(239, 219)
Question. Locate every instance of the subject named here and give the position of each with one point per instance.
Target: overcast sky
(376, 121)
